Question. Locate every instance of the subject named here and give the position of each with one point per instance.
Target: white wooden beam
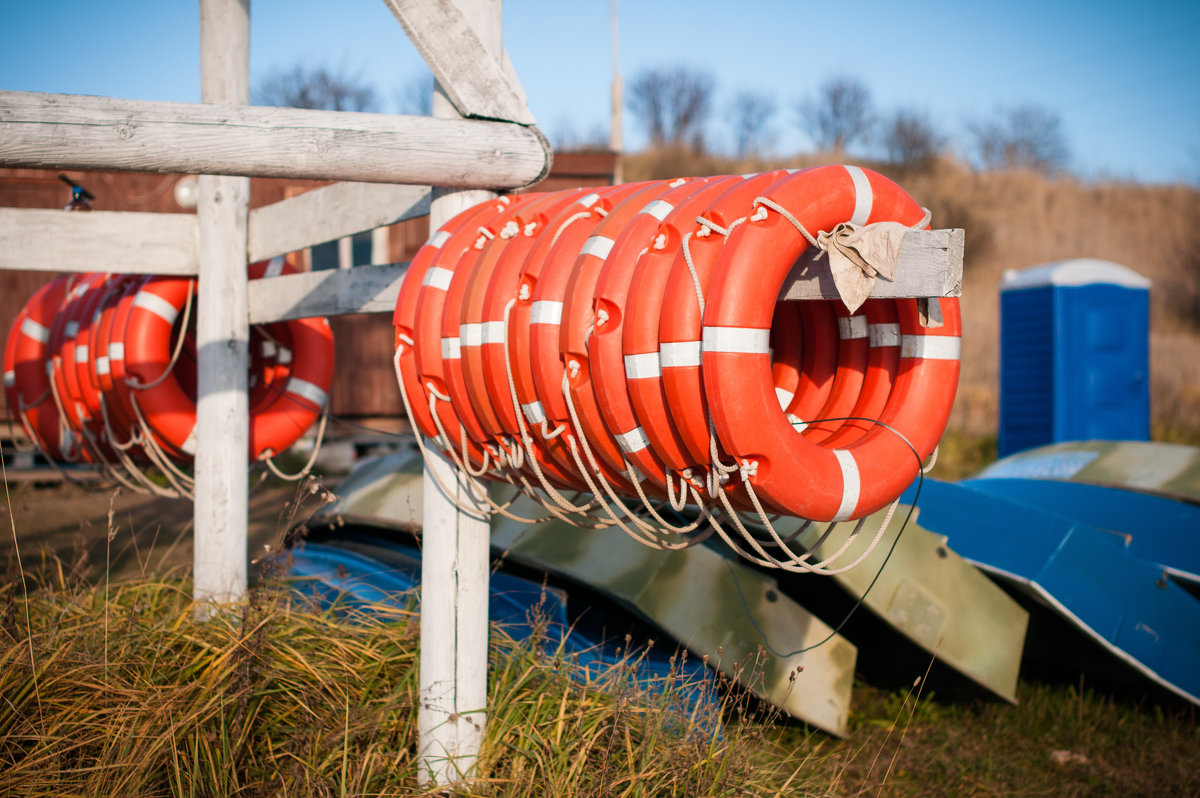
(930, 265)
(221, 508)
(61, 131)
(334, 292)
(98, 241)
(452, 675)
(474, 79)
(331, 212)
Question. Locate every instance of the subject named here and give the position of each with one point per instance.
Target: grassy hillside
(1019, 219)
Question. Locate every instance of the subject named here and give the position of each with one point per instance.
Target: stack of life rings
(614, 346)
(100, 369)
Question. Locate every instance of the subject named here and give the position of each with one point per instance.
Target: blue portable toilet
(1074, 354)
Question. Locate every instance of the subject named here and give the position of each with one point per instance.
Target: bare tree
(415, 96)
(910, 138)
(318, 88)
(840, 114)
(749, 115)
(1023, 137)
(673, 104)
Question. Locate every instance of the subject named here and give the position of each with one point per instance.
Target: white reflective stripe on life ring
(642, 366)
(633, 441)
(658, 209)
(546, 311)
(598, 246)
(737, 340)
(438, 278)
(470, 334)
(156, 305)
(37, 332)
(679, 354)
(852, 327)
(481, 332)
(851, 484)
(306, 390)
(931, 347)
(885, 335)
(864, 197)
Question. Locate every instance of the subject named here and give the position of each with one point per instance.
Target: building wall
(364, 383)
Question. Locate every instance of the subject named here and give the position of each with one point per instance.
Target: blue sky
(1124, 76)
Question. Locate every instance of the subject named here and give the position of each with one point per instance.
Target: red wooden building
(364, 387)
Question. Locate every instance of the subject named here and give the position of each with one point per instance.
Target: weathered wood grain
(363, 289)
(62, 131)
(98, 241)
(479, 84)
(331, 212)
(930, 265)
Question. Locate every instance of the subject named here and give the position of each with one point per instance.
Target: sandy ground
(86, 531)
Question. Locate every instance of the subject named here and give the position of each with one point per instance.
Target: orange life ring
(818, 361)
(787, 471)
(534, 323)
(292, 405)
(405, 314)
(680, 323)
(88, 318)
(62, 354)
(31, 375)
(852, 351)
(485, 372)
(787, 351)
(169, 408)
(475, 267)
(431, 348)
(883, 334)
(611, 366)
(112, 346)
(639, 337)
(615, 239)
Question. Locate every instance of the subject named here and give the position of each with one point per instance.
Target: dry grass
(112, 687)
(124, 693)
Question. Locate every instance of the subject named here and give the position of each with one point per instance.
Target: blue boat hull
(1124, 603)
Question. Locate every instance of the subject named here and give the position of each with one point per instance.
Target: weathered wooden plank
(363, 289)
(455, 566)
(331, 212)
(479, 85)
(221, 508)
(98, 241)
(62, 131)
(931, 263)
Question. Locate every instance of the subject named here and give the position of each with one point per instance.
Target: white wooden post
(222, 326)
(455, 554)
(380, 246)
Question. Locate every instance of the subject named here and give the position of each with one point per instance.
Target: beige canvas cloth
(858, 255)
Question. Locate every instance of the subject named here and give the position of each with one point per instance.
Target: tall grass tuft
(129, 695)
